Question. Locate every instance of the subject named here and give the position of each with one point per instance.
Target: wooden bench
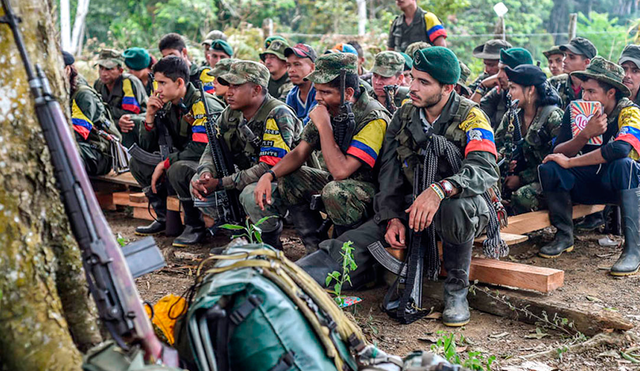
(113, 189)
(141, 209)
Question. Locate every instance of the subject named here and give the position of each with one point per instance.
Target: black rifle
(344, 124)
(390, 92)
(110, 281)
(225, 201)
(513, 144)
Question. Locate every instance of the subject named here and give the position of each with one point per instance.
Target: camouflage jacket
(279, 89)
(128, 96)
(562, 83)
(89, 115)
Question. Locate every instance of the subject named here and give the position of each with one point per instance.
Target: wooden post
(500, 30)
(267, 28)
(573, 23)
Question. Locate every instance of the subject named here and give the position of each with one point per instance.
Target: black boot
(629, 261)
(591, 222)
(307, 223)
(457, 261)
(318, 265)
(194, 230)
(273, 238)
(561, 216)
(159, 204)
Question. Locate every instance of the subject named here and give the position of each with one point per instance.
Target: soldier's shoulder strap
(464, 108)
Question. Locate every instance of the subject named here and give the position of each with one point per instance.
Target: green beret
(439, 62)
(515, 56)
(137, 58)
(408, 62)
(222, 46)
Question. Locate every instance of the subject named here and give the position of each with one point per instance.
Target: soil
(587, 286)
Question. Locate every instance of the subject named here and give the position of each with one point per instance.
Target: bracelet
(272, 175)
(481, 89)
(446, 187)
(438, 190)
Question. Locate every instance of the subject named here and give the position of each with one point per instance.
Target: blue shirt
(302, 109)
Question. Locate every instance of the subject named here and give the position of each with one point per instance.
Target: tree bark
(43, 293)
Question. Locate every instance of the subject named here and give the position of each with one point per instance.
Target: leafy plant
(348, 265)
(474, 360)
(251, 232)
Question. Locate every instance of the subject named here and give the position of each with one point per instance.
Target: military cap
(301, 51)
(276, 48)
(515, 56)
(606, 71)
(408, 61)
(414, 47)
(464, 75)
(137, 58)
(631, 53)
(109, 58)
(222, 46)
(270, 39)
(214, 35)
(223, 66)
(491, 49)
(439, 62)
(526, 75)
(68, 58)
(554, 50)
(388, 64)
(242, 72)
(328, 67)
(582, 46)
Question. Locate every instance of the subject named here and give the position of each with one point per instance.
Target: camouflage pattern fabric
(388, 64)
(414, 47)
(223, 66)
(562, 83)
(527, 198)
(328, 67)
(246, 71)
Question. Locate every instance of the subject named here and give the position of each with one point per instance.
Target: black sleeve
(616, 150)
(565, 133)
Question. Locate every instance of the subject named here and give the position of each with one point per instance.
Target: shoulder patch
(479, 133)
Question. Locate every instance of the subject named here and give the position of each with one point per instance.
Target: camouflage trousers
(527, 198)
(346, 202)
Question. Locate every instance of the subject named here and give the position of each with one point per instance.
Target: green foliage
(609, 37)
(348, 265)
(446, 346)
(121, 240)
(251, 232)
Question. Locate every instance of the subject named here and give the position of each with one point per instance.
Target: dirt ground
(587, 286)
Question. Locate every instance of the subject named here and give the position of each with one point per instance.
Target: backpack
(256, 310)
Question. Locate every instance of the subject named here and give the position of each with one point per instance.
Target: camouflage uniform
(276, 130)
(562, 83)
(414, 47)
(465, 91)
(280, 88)
(388, 64)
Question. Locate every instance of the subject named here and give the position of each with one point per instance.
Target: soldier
(387, 71)
(461, 87)
(301, 61)
(414, 47)
(210, 38)
(362, 72)
(139, 63)
(270, 39)
(220, 69)
(175, 115)
(554, 56)
(489, 52)
(173, 44)
(453, 202)
(491, 93)
(415, 24)
(630, 62)
(408, 65)
(123, 93)
(347, 188)
(276, 62)
(259, 130)
(578, 54)
(89, 116)
(218, 50)
(606, 173)
(540, 119)
(347, 48)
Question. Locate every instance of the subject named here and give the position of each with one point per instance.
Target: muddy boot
(307, 223)
(159, 204)
(457, 261)
(273, 238)
(318, 265)
(194, 230)
(591, 222)
(629, 261)
(560, 214)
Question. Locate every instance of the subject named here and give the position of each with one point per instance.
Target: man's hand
(597, 125)
(395, 234)
(423, 209)
(154, 104)
(558, 158)
(158, 172)
(262, 192)
(490, 82)
(512, 182)
(321, 118)
(202, 187)
(125, 123)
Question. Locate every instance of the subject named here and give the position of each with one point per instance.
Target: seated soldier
(259, 130)
(175, 119)
(630, 62)
(555, 57)
(606, 173)
(539, 119)
(139, 63)
(274, 59)
(301, 61)
(90, 119)
(453, 201)
(577, 56)
(347, 188)
(173, 44)
(489, 52)
(408, 65)
(387, 72)
(220, 90)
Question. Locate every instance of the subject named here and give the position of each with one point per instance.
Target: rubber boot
(318, 265)
(591, 222)
(159, 204)
(457, 262)
(194, 230)
(307, 223)
(560, 215)
(273, 238)
(629, 261)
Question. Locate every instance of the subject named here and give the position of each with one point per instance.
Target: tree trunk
(43, 293)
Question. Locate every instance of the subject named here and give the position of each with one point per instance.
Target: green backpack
(256, 310)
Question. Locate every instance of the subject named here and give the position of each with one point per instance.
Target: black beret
(68, 58)
(526, 75)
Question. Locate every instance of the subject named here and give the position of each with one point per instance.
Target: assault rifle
(110, 281)
(390, 92)
(344, 124)
(225, 201)
(513, 145)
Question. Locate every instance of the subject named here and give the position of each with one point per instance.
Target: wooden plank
(509, 239)
(138, 198)
(533, 221)
(106, 201)
(122, 199)
(173, 203)
(143, 213)
(124, 178)
(522, 276)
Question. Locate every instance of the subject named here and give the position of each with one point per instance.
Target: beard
(433, 100)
